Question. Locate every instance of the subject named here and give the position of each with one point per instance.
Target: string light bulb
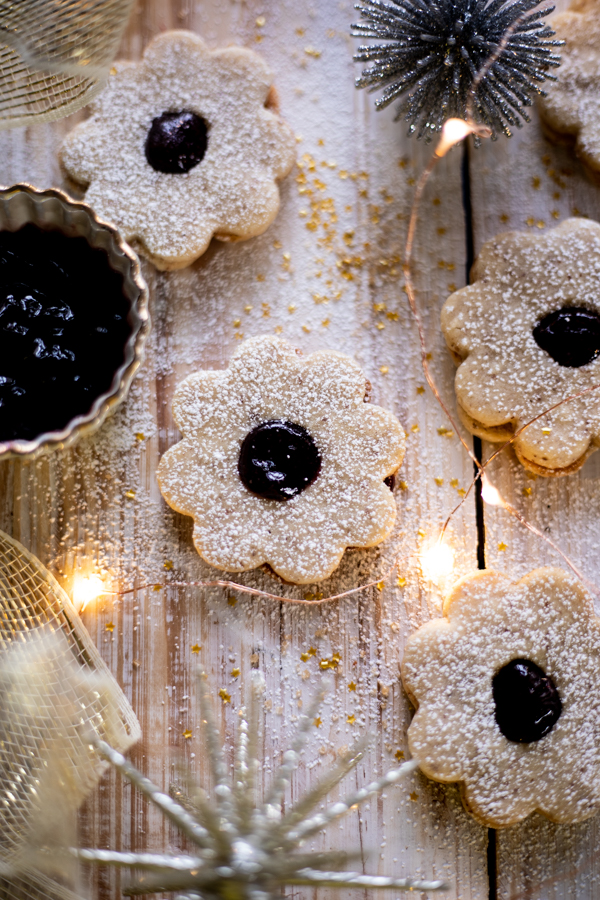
(437, 560)
(86, 588)
(490, 494)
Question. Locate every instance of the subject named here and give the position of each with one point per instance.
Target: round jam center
(278, 460)
(527, 701)
(570, 335)
(63, 329)
(176, 142)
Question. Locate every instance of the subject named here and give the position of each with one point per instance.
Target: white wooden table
(336, 285)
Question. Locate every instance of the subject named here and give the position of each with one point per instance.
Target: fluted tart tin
(73, 320)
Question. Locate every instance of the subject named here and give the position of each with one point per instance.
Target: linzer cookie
(570, 109)
(183, 146)
(526, 335)
(506, 687)
(282, 461)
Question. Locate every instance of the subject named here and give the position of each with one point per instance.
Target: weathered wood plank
(72, 510)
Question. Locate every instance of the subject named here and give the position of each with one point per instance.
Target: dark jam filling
(176, 142)
(63, 329)
(570, 335)
(278, 460)
(527, 701)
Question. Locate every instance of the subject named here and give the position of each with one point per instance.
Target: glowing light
(86, 589)
(489, 493)
(437, 561)
(456, 130)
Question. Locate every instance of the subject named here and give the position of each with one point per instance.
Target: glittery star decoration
(243, 849)
(432, 51)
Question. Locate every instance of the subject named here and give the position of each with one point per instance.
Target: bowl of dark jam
(73, 320)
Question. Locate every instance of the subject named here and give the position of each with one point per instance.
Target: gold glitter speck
(168, 564)
(501, 546)
(225, 697)
(235, 673)
(187, 734)
(130, 495)
(196, 648)
(351, 719)
(352, 686)
(110, 626)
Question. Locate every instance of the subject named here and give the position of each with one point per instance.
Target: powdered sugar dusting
(304, 538)
(506, 379)
(449, 665)
(231, 192)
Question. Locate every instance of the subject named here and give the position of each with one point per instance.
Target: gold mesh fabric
(55, 55)
(54, 691)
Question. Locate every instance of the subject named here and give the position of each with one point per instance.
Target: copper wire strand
(481, 131)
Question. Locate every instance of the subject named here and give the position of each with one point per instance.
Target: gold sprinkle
(415, 428)
(546, 431)
(261, 21)
(187, 734)
(168, 564)
(535, 182)
(248, 308)
(555, 214)
(318, 722)
(414, 796)
(540, 223)
(140, 436)
(277, 245)
(444, 432)
(278, 329)
(501, 546)
(312, 651)
(575, 211)
(556, 195)
(260, 277)
(352, 686)
(399, 754)
(157, 587)
(266, 310)
(420, 389)
(439, 481)
(530, 221)
(237, 323)
(379, 307)
(311, 51)
(351, 719)
(231, 601)
(504, 218)
(300, 32)
(130, 495)
(454, 482)
(380, 585)
(304, 657)
(110, 626)
(401, 581)
(403, 486)
(441, 231)
(436, 201)
(306, 328)
(380, 326)
(196, 648)
(235, 673)
(113, 71)
(384, 369)
(527, 491)
(325, 323)
(451, 287)
(225, 697)
(461, 492)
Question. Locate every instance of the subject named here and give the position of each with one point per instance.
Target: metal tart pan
(52, 209)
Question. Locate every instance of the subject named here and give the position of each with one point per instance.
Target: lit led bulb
(85, 589)
(437, 561)
(489, 493)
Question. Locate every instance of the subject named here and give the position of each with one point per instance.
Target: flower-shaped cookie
(571, 109)
(507, 687)
(527, 334)
(181, 147)
(282, 461)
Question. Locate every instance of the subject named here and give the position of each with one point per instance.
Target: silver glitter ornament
(435, 48)
(244, 849)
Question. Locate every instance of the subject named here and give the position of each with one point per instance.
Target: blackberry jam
(63, 329)
(278, 460)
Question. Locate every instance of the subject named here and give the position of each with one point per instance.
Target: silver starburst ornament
(244, 850)
(433, 50)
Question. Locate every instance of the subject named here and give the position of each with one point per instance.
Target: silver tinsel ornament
(244, 849)
(435, 48)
